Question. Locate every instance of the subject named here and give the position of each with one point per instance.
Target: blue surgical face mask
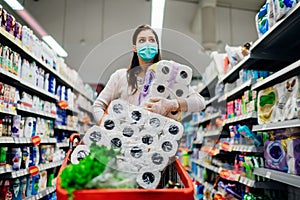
(147, 51)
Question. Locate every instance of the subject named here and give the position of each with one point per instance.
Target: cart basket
(185, 193)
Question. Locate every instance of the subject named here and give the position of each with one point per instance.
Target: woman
(127, 84)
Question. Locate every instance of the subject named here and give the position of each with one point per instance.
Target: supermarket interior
(150, 99)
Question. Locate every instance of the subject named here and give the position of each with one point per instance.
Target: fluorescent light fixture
(32, 22)
(55, 46)
(14, 4)
(157, 13)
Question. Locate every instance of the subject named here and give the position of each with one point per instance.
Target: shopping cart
(174, 172)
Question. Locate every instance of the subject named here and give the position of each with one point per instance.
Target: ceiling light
(14, 4)
(55, 46)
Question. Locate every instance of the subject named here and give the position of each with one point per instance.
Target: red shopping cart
(174, 172)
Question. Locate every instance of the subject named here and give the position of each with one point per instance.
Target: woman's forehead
(146, 33)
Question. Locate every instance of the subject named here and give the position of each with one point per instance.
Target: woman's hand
(161, 105)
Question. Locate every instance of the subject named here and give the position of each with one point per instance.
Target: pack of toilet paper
(146, 141)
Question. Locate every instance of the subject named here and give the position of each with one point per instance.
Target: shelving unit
(212, 116)
(282, 177)
(86, 110)
(38, 113)
(243, 148)
(16, 140)
(23, 172)
(212, 133)
(251, 115)
(42, 194)
(277, 52)
(62, 145)
(278, 125)
(65, 128)
(8, 112)
(212, 100)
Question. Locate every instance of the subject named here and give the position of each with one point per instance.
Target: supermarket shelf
(39, 90)
(213, 116)
(240, 118)
(278, 77)
(16, 140)
(39, 113)
(186, 116)
(278, 176)
(237, 90)
(5, 169)
(212, 100)
(84, 109)
(65, 128)
(26, 53)
(212, 133)
(84, 94)
(243, 148)
(197, 142)
(74, 110)
(210, 187)
(8, 112)
(24, 172)
(282, 37)
(208, 166)
(42, 194)
(62, 145)
(204, 91)
(50, 165)
(195, 177)
(27, 85)
(278, 125)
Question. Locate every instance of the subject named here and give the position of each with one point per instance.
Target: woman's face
(143, 37)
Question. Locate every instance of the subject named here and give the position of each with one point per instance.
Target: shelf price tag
(36, 140)
(33, 170)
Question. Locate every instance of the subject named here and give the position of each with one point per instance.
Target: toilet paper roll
(116, 140)
(129, 131)
(179, 91)
(173, 130)
(163, 70)
(175, 115)
(155, 123)
(136, 153)
(79, 153)
(157, 160)
(184, 75)
(110, 123)
(118, 108)
(159, 90)
(149, 139)
(126, 166)
(169, 147)
(148, 179)
(137, 116)
(95, 134)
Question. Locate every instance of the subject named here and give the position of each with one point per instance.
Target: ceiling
(97, 33)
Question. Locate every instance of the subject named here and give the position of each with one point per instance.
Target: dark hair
(134, 68)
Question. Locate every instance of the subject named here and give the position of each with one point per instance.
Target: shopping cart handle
(72, 138)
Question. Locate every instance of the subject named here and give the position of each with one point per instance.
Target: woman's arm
(109, 93)
(193, 103)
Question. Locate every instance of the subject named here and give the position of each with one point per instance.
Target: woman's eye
(141, 40)
(152, 40)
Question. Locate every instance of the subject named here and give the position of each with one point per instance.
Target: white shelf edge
(239, 88)
(282, 177)
(212, 133)
(244, 148)
(213, 116)
(274, 76)
(48, 115)
(241, 117)
(277, 125)
(212, 100)
(67, 128)
(60, 145)
(8, 112)
(208, 83)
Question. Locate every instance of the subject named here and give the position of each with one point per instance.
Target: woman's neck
(144, 65)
